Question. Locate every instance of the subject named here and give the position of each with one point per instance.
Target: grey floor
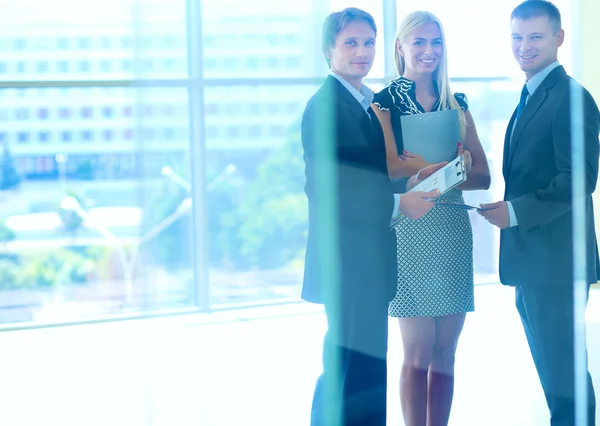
(249, 367)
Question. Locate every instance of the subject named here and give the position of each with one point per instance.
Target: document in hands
(451, 175)
(459, 206)
(448, 177)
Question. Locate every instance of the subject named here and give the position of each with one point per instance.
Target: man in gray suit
(536, 245)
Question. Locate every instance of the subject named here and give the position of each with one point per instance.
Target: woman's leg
(418, 340)
(441, 370)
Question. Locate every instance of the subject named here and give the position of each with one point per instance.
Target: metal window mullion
(50, 84)
(580, 287)
(201, 293)
(389, 39)
(209, 82)
(579, 199)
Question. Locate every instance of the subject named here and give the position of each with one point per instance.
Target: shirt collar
(534, 82)
(364, 96)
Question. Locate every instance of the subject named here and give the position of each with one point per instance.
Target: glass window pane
(491, 119)
(256, 202)
(481, 47)
(125, 244)
(281, 40)
(66, 40)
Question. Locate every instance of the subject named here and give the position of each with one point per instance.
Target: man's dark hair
(536, 8)
(336, 22)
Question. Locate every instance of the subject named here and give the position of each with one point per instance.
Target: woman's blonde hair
(447, 100)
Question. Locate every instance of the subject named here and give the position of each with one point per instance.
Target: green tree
(53, 268)
(256, 219)
(72, 222)
(223, 220)
(8, 274)
(9, 176)
(6, 235)
(273, 216)
(86, 170)
(171, 247)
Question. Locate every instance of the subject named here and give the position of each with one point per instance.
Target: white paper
(449, 176)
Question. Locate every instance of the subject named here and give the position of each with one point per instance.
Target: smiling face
(535, 43)
(422, 50)
(353, 52)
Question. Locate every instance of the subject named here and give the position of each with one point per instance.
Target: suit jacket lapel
(535, 102)
(355, 108)
(371, 128)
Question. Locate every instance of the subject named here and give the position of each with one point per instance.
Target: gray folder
(433, 135)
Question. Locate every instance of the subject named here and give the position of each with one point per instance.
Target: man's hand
(496, 213)
(423, 174)
(416, 204)
(466, 156)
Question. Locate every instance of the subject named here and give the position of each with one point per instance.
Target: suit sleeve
(336, 180)
(541, 207)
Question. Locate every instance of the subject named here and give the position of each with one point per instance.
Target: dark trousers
(352, 389)
(548, 321)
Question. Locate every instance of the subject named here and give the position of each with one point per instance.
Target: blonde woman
(435, 253)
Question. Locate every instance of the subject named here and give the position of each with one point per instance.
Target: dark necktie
(521, 106)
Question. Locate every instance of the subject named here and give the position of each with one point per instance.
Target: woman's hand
(410, 156)
(414, 158)
(466, 155)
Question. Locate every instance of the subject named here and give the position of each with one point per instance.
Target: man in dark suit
(351, 253)
(537, 239)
